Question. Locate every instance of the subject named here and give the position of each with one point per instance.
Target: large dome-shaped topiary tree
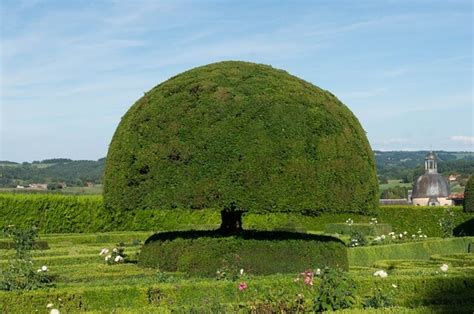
(239, 136)
(469, 195)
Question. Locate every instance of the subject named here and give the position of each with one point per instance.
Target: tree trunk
(231, 221)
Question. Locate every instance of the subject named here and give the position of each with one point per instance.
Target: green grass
(392, 184)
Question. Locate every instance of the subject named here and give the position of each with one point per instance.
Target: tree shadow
(465, 229)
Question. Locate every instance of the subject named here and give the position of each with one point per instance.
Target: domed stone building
(431, 189)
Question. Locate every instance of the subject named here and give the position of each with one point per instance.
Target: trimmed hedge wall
(422, 250)
(53, 213)
(74, 214)
(202, 253)
(365, 229)
(66, 214)
(410, 218)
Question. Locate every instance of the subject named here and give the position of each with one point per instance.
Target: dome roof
(430, 156)
(430, 185)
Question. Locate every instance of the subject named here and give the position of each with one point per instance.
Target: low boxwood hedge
(365, 229)
(202, 253)
(421, 250)
(453, 292)
(9, 245)
(461, 259)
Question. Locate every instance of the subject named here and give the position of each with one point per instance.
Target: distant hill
(406, 165)
(72, 172)
(391, 165)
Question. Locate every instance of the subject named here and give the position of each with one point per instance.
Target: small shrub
(447, 223)
(117, 256)
(336, 291)
(20, 273)
(378, 299)
(357, 239)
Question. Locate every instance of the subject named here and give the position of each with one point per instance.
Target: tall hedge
(240, 134)
(469, 195)
(66, 214)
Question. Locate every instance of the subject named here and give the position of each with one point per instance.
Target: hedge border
(70, 214)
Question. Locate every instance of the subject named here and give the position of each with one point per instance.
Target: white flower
(382, 236)
(391, 233)
(394, 285)
(39, 270)
(115, 250)
(108, 257)
(44, 268)
(425, 236)
(420, 236)
(377, 238)
(50, 305)
(400, 235)
(381, 273)
(419, 230)
(54, 311)
(241, 271)
(118, 258)
(405, 233)
(444, 267)
(394, 237)
(104, 251)
(413, 236)
(318, 272)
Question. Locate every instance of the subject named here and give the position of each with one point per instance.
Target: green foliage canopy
(469, 195)
(244, 135)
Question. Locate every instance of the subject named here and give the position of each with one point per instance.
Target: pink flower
(308, 277)
(242, 286)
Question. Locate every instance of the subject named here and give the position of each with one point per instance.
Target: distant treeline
(71, 172)
(406, 166)
(400, 165)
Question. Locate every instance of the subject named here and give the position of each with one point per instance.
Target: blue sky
(71, 69)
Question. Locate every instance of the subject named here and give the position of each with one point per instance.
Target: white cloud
(463, 139)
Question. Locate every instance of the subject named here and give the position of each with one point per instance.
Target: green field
(393, 183)
(455, 187)
(84, 283)
(76, 190)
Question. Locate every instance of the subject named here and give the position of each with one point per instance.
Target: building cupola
(431, 164)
